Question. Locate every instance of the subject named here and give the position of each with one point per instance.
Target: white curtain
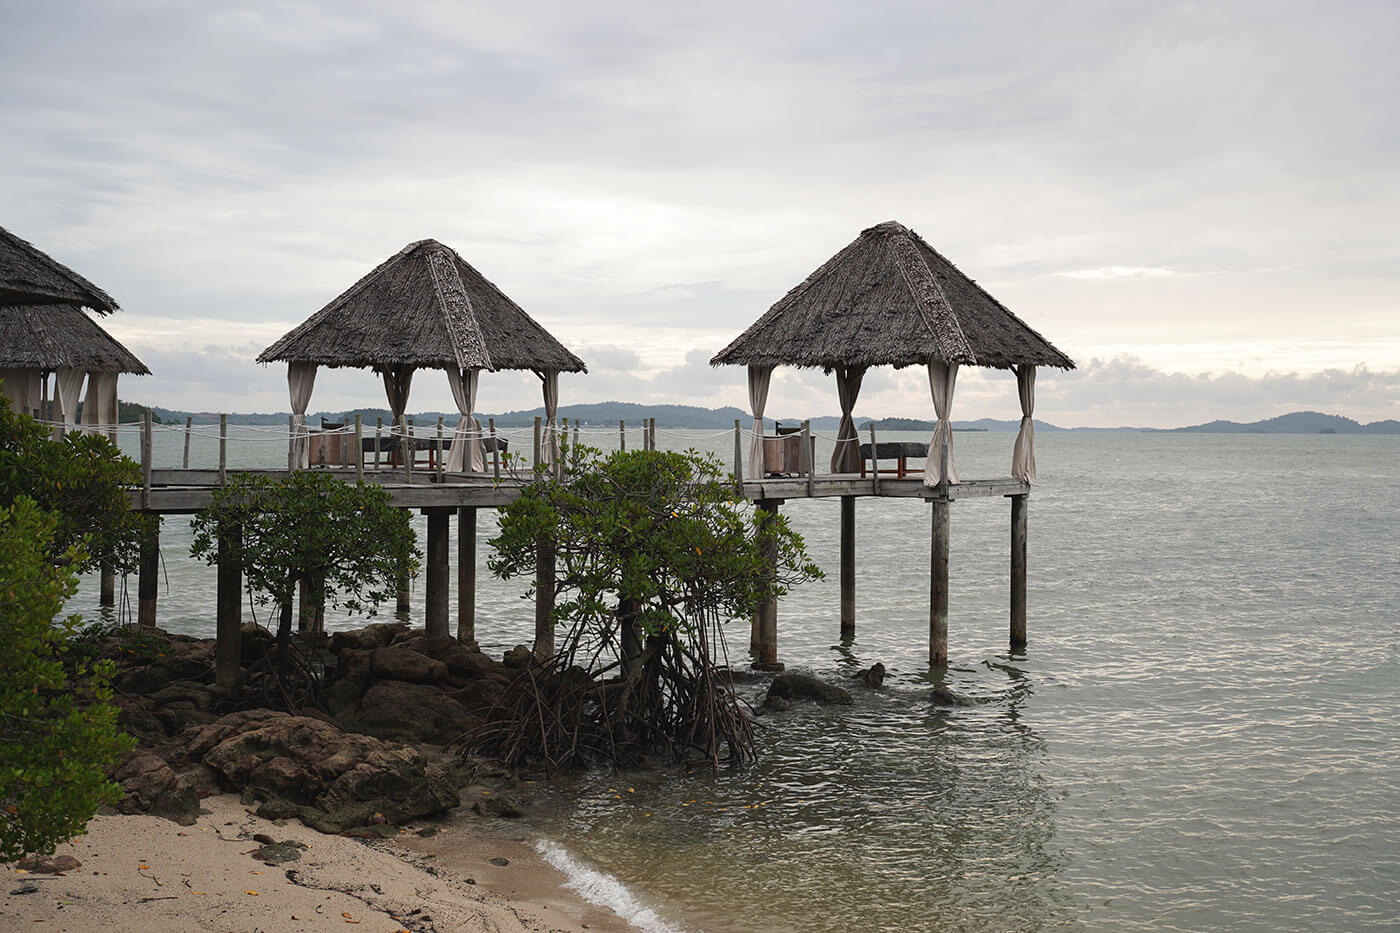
(941, 379)
(300, 378)
(550, 381)
(22, 389)
(68, 388)
(846, 457)
(100, 405)
(1023, 454)
(466, 446)
(759, 379)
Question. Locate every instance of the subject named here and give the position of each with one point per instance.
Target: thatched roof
(889, 299)
(424, 307)
(29, 277)
(52, 336)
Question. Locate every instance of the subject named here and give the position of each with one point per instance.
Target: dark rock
(776, 704)
(428, 831)
(500, 805)
(410, 712)
(254, 642)
(150, 785)
(48, 865)
(331, 780)
(948, 697)
(401, 662)
(197, 742)
(196, 694)
(499, 862)
(792, 686)
(150, 678)
(275, 853)
(32, 888)
(343, 699)
(374, 635)
(874, 676)
(136, 716)
(180, 715)
(518, 657)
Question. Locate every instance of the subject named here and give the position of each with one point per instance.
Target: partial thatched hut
(425, 307)
(36, 340)
(30, 277)
(889, 298)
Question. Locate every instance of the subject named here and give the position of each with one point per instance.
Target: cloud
(1120, 272)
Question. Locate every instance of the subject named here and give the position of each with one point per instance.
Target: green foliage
(664, 530)
(82, 479)
(52, 751)
(345, 542)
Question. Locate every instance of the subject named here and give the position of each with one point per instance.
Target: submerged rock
(791, 686)
(874, 676)
(949, 697)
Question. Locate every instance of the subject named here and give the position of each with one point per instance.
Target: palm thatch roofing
(889, 299)
(28, 276)
(50, 337)
(427, 308)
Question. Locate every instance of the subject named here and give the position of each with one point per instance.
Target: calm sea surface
(1204, 733)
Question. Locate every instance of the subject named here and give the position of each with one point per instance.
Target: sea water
(1203, 733)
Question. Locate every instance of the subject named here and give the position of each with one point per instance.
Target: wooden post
(806, 458)
(185, 463)
(848, 568)
(228, 640)
(378, 433)
(544, 599)
(406, 448)
(539, 450)
(622, 435)
(223, 449)
(291, 444)
(147, 579)
(1019, 507)
(738, 458)
(559, 463)
(495, 450)
(653, 433)
(765, 633)
(106, 586)
(466, 575)
(146, 455)
(874, 462)
(359, 447)
(440, 464)
(437, 596)
(938, 586)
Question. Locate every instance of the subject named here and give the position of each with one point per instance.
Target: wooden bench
(901, 452)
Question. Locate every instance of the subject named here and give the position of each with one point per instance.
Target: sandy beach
(147, 873)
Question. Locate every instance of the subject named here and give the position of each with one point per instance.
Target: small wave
(602, 889)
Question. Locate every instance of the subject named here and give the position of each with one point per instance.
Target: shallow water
(1202, 734)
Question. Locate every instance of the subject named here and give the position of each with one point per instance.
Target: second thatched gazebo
(424, 307)
(890, 299)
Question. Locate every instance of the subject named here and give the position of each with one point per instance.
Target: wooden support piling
(621, 435)
(406, 449)
(938, 585)
(466, 575)
(378, 435)
(1020, 505)
(848, 568)
(311, 617)
(440, 464)
(228, 641)
(185, 461)
(544, 599)
(223, 449)
(436, 600)
(765, 629)
(403, 603)
(106, 586)
(738, 458)
(874, 462)
(539, 441)
(147, 579)
(359, 447)
(495, 451)
(292, 444)
(806, 457)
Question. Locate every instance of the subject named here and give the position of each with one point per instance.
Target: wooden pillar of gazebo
(848, 568)
(1019, 507)
(228, 641)
(148, 572)
(938, 584)
(764, 639)
(436, 600)
(466, 574)
(106, 586)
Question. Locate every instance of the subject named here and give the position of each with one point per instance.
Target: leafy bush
(52, 751)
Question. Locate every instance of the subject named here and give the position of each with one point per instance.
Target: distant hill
(1298, 422)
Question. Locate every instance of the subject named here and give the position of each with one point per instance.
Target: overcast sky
(1198, 202)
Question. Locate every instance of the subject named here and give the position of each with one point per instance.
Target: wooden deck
(175, 492)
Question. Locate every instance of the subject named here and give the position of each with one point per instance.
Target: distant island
(718, 419)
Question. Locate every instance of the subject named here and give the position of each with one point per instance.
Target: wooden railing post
(738, 458)
(185, 462)
(359, 447)
(223, 449)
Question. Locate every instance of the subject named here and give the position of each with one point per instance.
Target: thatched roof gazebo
(424, 307)
(28, 276)
(39, 339)
(890, 299)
